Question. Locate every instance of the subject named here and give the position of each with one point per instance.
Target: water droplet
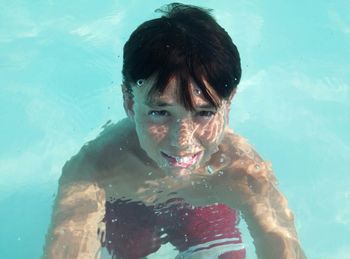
(120, 148)
(221, 173)
(257, 167)
(110, 185)
(222, 160)
(150, 173)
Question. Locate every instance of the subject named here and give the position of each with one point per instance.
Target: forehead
(171, 94)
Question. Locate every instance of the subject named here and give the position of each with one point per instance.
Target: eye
(206, 114)
(162, 113)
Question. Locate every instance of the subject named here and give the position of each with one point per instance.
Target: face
(179, 141)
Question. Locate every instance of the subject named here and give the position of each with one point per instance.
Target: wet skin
(177, 140)
(162, 151)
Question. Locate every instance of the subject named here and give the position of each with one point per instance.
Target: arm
(253, 190)
(270, 221)
(78, 209)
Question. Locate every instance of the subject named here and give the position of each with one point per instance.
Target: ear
(232, 95)
(128, 102)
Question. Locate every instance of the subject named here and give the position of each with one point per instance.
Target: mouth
(181, 161)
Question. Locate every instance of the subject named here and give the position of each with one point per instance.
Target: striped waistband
(213, 248)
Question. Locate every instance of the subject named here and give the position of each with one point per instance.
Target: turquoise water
(60, 77)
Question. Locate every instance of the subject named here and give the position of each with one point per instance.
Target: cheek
(149, 131)
(211, 132)
(156, 133)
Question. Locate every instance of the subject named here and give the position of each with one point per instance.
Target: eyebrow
(159, 103)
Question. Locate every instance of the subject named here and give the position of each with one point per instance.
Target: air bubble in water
(186, 238)
(197, 91)
(209, 169)
(140, 82)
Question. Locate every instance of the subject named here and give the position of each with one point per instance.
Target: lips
(181, 161)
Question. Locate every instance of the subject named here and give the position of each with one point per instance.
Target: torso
(125, 175)
(133, 175)
(122, 169)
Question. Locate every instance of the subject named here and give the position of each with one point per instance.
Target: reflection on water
(134, 230)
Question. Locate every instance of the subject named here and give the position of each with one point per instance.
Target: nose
(183, 133)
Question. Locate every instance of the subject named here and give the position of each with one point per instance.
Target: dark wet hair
(185, 42)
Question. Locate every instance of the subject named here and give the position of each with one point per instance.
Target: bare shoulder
(98, 157)
(239, 147)
(244, 159)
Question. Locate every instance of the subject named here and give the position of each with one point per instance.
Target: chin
(178, 171)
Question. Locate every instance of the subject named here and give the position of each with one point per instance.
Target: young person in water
(172, 171)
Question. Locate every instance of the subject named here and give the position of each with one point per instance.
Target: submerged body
(173, 170)
(112, 169)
